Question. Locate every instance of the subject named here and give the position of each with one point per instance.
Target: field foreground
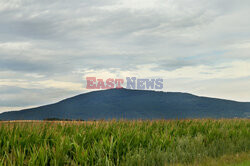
(175, 142)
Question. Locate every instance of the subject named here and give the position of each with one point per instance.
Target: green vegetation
(176, 142)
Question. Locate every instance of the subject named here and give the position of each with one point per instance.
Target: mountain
(134, 104)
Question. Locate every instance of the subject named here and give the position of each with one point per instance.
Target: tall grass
(122, 142)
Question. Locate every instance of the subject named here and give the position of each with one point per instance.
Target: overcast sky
(47, 48)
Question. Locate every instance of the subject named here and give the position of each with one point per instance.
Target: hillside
(134, 104)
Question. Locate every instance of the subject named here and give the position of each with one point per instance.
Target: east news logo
(131, 83)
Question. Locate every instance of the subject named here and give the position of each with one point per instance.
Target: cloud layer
(48, 48)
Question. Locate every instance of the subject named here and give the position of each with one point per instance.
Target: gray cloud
(17, 97)
(53, 40)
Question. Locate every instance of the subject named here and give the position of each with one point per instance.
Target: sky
(48, 48)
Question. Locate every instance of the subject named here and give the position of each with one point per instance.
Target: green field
(175, 142)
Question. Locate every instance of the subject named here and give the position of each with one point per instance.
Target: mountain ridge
(134, 104)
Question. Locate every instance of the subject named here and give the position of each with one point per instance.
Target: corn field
(162, 142)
